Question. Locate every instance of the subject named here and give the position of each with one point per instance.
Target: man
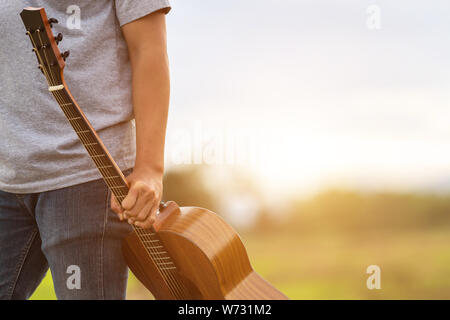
(55, 211)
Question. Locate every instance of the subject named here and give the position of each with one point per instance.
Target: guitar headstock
(45, 44)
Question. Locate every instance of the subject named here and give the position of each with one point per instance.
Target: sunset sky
(305, 95)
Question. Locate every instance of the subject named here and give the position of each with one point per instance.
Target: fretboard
(111, 174)
(109, 170)
(113, 177)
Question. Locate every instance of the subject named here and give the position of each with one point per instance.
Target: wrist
(149, 169)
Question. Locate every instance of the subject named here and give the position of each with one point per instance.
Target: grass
(414, 264)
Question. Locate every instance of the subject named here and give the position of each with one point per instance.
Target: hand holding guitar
(142, 201)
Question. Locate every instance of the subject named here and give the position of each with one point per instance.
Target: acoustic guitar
(189, 252)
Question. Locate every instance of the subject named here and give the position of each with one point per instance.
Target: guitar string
(57, 95)
(61, 99)
(147, 238)
(148, 241)
(50, 77)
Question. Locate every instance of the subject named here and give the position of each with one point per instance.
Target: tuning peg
(58, 38)
(65, 54)
(51, 21)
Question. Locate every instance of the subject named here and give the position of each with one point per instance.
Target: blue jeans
(71, 230)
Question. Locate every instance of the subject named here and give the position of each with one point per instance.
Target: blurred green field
(323, 245)
(414, 265)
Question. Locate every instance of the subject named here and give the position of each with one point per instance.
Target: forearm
(146, 40)
(151, 92)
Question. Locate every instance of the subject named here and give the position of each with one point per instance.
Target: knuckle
(140, 185)
(147, 223)
(126, 205)
(132, 213)
(142, 216)
(149, 194)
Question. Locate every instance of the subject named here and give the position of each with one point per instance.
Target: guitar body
(211, 260)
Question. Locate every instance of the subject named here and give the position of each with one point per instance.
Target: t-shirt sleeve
(130, 10)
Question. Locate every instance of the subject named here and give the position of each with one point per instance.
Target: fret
(146, 232)
(66, 104)
(156, 247)
(158, 252)
(104, 167)
(98, 155)
(86, 134)
(148, 241)
(165, 263)
(112, 177)
(90, 144)
(118, 187)
(168, 268)
(119, 197)
(74, 118)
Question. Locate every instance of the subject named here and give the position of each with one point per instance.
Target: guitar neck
(111, 173)
(51, 63)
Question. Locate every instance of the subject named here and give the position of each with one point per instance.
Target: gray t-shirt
(39, 150)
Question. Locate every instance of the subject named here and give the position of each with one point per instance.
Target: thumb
(130, 199)
(115, 206)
